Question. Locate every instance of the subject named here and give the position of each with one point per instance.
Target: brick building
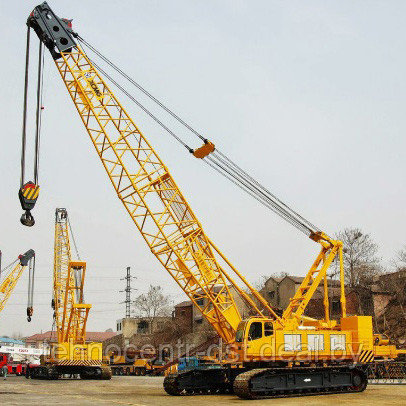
(183, 315)
(371, 300)
(279, 291)
(187, 315)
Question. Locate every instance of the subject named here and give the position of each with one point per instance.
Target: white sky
(308, 96)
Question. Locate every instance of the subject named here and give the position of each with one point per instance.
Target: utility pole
(127, 291)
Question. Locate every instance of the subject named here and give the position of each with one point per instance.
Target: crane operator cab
(255, 339)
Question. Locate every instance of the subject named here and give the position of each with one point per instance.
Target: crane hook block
(206, 149)
(30, 312)
(28, 195)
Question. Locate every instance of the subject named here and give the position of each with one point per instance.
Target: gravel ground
(140, 391)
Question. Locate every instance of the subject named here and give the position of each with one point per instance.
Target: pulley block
(28, 195)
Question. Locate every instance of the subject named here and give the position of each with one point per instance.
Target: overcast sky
(308, 96)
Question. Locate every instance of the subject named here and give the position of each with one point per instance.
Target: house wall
(240, 303)
(381, 301)
(270, 292)
(40, 344)
(128, 326)
(118, 341)
(141, 326)
(183, 317)
(287, 289)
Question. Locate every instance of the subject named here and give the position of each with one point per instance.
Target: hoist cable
(7, 268)
(24, 130)
(217, 160)
(252, 192)
(39, 111)
(261, 190)
(73, 239)
(78, 282)
(260, 197)
(142, 89)
(284, 205)
(31, 279)
(143, 108)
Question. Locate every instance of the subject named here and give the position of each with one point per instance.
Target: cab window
(268, 329)
(255, 331)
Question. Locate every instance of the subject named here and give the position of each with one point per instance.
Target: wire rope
(218, 161)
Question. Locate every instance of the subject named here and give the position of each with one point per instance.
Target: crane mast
(71, 313)
(144, 184)
(150, 195)
(11, 276)
(71, 353)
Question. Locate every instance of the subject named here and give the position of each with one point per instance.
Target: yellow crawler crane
(10, 275)
(274, 355)
(71, 354)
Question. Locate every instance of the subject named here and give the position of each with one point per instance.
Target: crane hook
(28, 195)
(30, 312)
(27, 219)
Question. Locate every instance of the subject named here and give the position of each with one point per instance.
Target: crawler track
(53, 372)
(283, 382)
(198, 382)
(268, 382)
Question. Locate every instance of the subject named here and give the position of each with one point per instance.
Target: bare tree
(280, 275)
(260, 283)
(361, 263)
(153, 304)
(396, 282)
(401, 259)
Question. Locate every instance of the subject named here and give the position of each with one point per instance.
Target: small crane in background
(10, 275)
(70, 354)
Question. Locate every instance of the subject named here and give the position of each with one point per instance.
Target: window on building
(199, 321)
(142, 327)
(255, 331)
(200, 302)
(183, 312)
(271, 294)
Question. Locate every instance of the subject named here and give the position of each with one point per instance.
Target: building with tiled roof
(185, 303)
(42, 340)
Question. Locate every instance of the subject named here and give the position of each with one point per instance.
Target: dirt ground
(140, 391)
